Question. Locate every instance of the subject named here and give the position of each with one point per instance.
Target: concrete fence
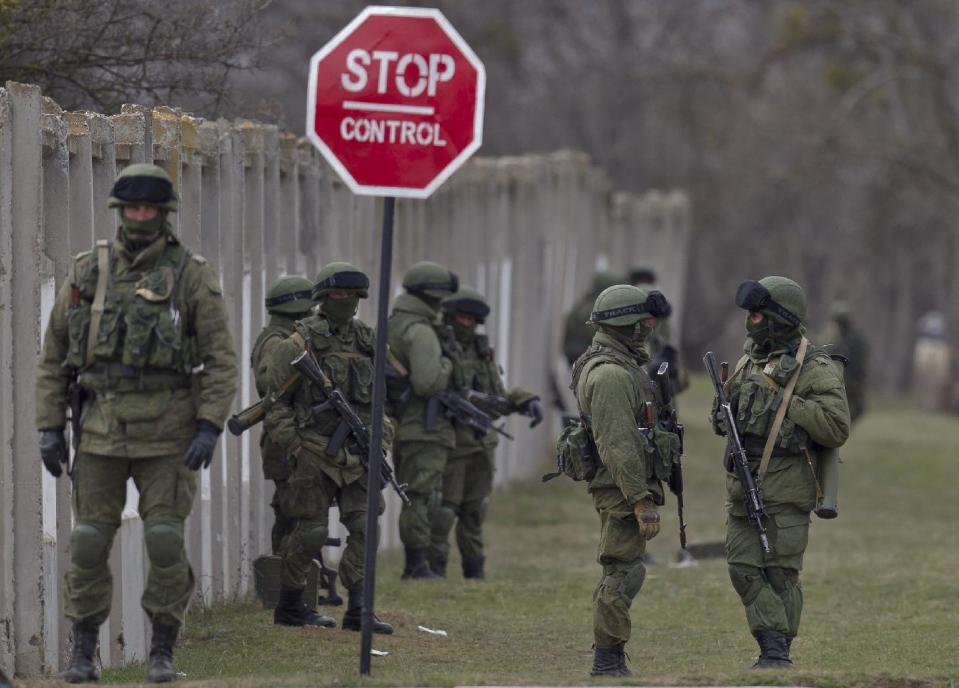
(259, 203)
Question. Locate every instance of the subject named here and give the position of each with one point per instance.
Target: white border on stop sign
(457, 162)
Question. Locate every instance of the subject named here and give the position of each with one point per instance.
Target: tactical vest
(476, 368)
(660, 445)
(756, 399)
(346, 356)
(140, 339)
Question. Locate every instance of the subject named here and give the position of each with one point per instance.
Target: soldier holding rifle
(326, 454)
(783, 405)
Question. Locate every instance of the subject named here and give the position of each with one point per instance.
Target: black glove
(53, 450)
(534, 409)
(200, 451)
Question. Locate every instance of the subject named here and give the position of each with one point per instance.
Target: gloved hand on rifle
(53, 450)
(647, 517)
(200, 451)
(534, 409)
(718, 419)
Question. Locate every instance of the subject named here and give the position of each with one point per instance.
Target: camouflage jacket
(275, 464)
(163, 357)
(476, 368)
(415, 344)
(345, 355)
(612, 387)
(817, 416)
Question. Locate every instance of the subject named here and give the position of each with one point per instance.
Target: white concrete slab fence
(259, 203)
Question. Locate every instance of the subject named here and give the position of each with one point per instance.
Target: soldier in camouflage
(139, 329)
(816, 416)
(853, 347)
(613, 388)
(321, 474)
(421, 452)
(468, 477)
(288, 300)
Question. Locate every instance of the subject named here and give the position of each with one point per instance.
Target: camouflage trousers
(420, 465)
(166, 489)
(620, 554)
(282, 524)
(467, 484)
(307, 500)
(768, 584)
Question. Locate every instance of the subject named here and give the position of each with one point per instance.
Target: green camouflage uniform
(147, 398)
(468, 477)
(817, 416)
(275, 464)
(345, 353)
(768, 584)
(420, 455)
(612, 387)
(854, 347)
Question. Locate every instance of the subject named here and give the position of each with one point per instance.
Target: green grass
(881, 585)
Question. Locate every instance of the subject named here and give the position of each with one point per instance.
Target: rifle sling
(781, 411)
(99, 298)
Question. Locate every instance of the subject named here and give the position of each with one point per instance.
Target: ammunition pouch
(576, 455)
(119, 377)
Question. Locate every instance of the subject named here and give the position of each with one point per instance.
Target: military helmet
(430, 279)
(780, 296)
(642, 275)
(604, 279)
(142, 183)
(469, 301)
(340, 276)
(290, 295)
(624, 304)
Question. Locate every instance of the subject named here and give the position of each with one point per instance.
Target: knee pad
(443, 519)
(164, 543)
(90, 545)
(633, 581)
(747, 581)
(782, 579)
(312, 535)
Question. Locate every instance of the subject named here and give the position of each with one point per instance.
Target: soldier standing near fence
(619, 405)
(322, 473)
(139, 335)
(468, 477)
(288, 300)
(423, 444)
(792, 392)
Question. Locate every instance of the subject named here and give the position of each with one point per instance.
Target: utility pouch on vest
(576, 455)
(662, 450)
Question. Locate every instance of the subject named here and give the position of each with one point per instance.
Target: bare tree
(102, 53)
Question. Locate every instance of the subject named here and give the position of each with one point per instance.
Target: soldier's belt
(754, 446)
(121, 377)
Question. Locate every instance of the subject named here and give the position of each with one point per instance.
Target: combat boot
(773, 651)
(473, 568)
(438, 566)
(83, 668)
(291, 610)
(353, 617)
(417, 567)
(609, 660)
(160, 669)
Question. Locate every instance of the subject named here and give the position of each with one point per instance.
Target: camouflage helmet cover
(624, 304)
(291, 295)
(781, 297)
(143, 184)
(340, 276)
(430, 279)
(468, 301)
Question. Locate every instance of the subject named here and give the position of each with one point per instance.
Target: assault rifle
(490, 403)
(752, 496)
(670, 421)
(461, 411)
(351, 427)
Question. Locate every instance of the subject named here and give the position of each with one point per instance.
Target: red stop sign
(395, 101)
